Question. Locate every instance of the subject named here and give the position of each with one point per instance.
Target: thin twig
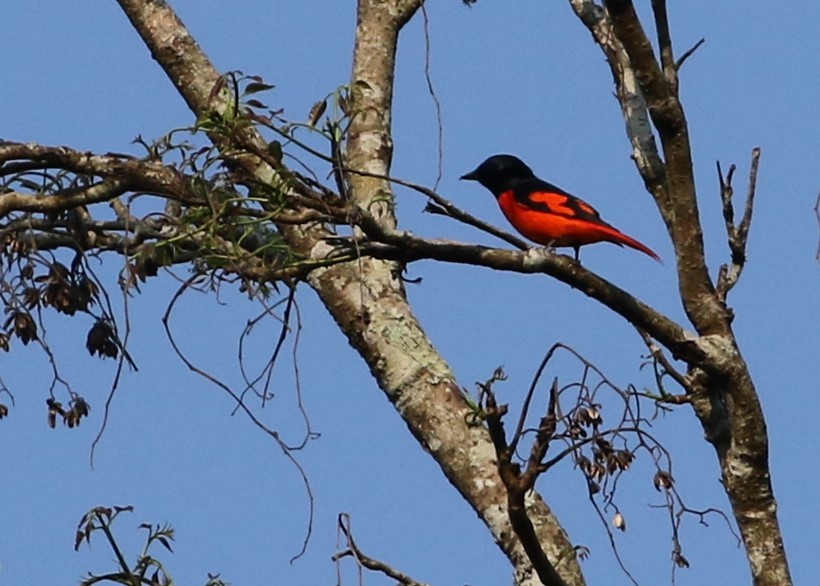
(433, 95)
(659, 357)
(530, 392)
(367, 561)
(442, 206)
(817, 214)
(286, 450)
(688, 53)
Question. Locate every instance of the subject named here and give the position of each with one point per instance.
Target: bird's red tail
(618, 237)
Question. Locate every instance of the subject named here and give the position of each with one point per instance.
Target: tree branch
(737, 235)
(665, 44)
(679, 206)
(367, 561)
(407, 247)
(518, 484)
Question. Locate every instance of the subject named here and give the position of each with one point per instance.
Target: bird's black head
(500, 173)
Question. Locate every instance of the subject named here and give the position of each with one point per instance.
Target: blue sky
(518, 77)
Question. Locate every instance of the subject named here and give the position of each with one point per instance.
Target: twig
(612, 543)
(286, 450)
(737, 235)
(688, 53)
(530, 392)
(442, 206)
(546, 432)
(817, 214)
(433, 95)
(658, 357)
(366, 561)
(449, 209)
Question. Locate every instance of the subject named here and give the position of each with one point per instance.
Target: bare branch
(737, 235)
(407, 247)
(631, 100)
(665, 43)
(367, 561)
(445, 207)
(128, 174)
(433, 96)
(679, 206)
(518, 485)
(688, 53)
(659, 358)
(287, 450)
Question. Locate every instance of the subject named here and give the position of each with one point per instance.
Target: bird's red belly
(546, 228)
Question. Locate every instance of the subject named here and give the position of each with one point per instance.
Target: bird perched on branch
(544, 213)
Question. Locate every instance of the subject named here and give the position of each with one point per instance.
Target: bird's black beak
(471, 176)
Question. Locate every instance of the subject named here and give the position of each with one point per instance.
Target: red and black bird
(544, 213)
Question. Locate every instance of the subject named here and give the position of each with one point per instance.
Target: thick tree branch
(678, 202)
(406, 247)
(519, 484)
(127, 174)
(631, 100)
(668, 65)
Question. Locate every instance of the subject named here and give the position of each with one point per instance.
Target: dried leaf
(218, 85)
(164, 541)
(619, 522)
(256, 87)
(254, 103)
(663, 480)
(275, 150)
(316, 112)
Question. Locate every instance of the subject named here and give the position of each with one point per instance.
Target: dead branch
(367, 561)
(601, 454)
(518, 484)
(737, 234)
(688, 53)
(660, 359)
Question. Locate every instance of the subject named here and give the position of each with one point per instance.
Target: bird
(544, 213)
